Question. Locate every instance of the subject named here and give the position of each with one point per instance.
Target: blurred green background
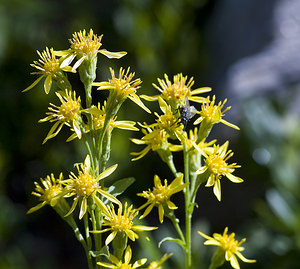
(226, 45)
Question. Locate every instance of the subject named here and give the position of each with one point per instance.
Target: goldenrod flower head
(155, 140)
(98, 118)
(168, 121)
(122, 222)
(121, 87)
(211, 113)
(160, 196)
(50, 67)
(68, 113)
(176, 92)
(85, 46)
(158, 264)
(85, 185)
(47, 192)
(229, 245)
(119, 264)
(48, 64)
(216, 166)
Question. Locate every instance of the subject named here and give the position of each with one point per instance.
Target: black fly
(186, 112)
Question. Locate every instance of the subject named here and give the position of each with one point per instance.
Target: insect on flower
(186, 112)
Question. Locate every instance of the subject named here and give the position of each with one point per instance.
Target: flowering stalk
(176, 225)
(61, 210)
(173, 101)
(93, 200)
(188, 209)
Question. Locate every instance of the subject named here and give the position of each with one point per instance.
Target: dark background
(247, 51)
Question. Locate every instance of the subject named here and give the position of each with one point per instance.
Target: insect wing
(192, 112)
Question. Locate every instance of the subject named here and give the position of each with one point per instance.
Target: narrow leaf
(102, 252)
(176, 240)
(120, 186)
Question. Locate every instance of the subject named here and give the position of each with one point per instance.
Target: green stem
(112, 108)
(177, 227)
(204, 130)
(88, 95)
(167, 157)
(199, 180)
(98, 236)
(62, 208)
(93, 218)
(119, 244)
(96, 222)
(188, 210)
(87, 231)
(90, 152)
(172, 168)
(93, 135)
(87, 253)
(87, 73)
(194, 165)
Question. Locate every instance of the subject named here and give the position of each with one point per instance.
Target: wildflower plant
(86, 195)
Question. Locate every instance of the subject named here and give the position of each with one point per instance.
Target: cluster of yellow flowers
(174, 97)
(94, 123)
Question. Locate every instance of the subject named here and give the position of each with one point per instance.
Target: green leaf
(102, 252)
(176, 240)
(120, 186)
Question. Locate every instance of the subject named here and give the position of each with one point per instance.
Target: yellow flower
(51, 68)
(229, 246)
(211, 114)
(85, 46)
(85, 185)
(176, 92)
(120, 88)
(158, 264)
(160, 196)
(156, 140)
(122, 222)
(193, 144)
(216, 166)
(168, 121)
(47, 192)
(118, 264)
(68, 113)
(98, 118)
